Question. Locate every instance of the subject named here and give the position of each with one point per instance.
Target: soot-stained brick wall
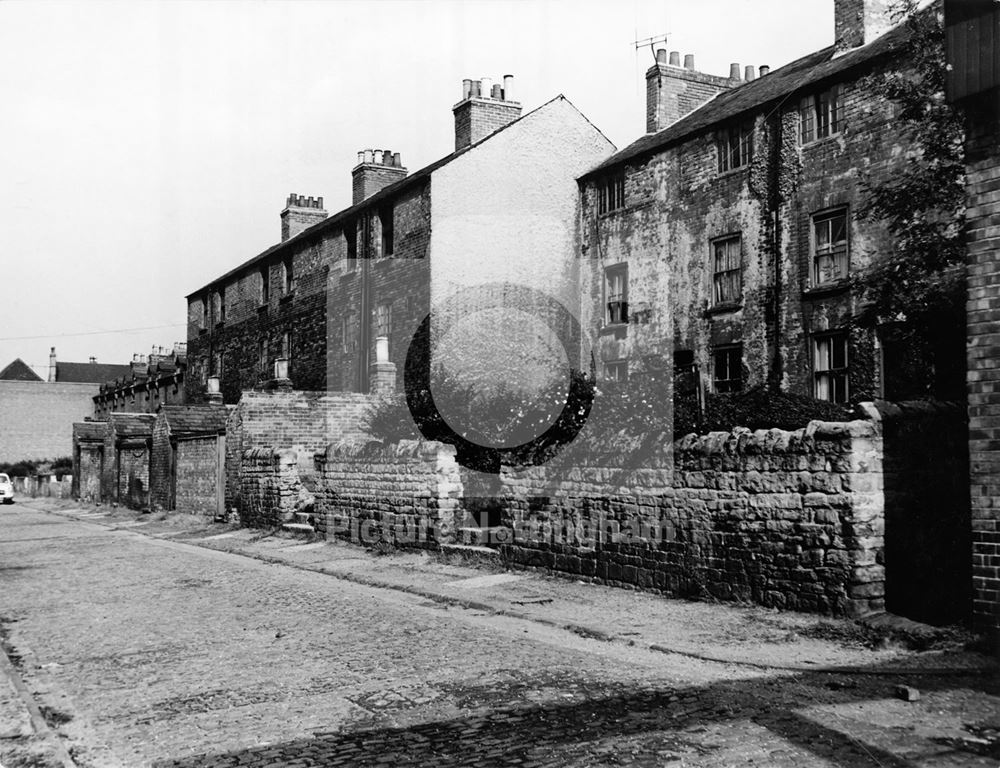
(303, 422)
(678, 203)
(408, 492)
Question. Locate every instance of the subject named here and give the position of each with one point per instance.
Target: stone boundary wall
(408, 491)
(270, 488)
(785, 519)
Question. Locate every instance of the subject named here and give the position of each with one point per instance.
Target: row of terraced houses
(722, 239)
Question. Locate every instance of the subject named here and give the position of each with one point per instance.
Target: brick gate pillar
(983, 243)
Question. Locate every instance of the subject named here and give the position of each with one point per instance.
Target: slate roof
(808, 73)
(19, 371)
(195, 419)
(133, 424)
(90, 430)
(332, 222)
(90, 373)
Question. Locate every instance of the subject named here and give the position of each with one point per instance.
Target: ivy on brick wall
(920, 283)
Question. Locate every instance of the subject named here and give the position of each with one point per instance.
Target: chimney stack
(750, 74)
(52, 364)
(376, 170)
(858, 22)
(673, 91)
(734, 71)
(484, 108)
(300, 213)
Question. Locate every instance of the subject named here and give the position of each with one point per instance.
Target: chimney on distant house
(376, 170)
(858, 22)
(52, 364)
(300, 213)
(673, 91)
(484, 108)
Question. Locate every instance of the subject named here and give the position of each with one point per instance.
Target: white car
(6, 489)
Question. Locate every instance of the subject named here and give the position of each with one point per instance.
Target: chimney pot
(675, 58)
(369, 156)
(476, 85)
(497, 92)
(361, 157)
(93, 359)
(661, 55)
(764, 69)
(486, 86)
(466, 88)
(319, 202)
(397, 162)
(377, 157)
(508, 87)
(688, 61)
(386, 157)
(734, 71)
(750, 74)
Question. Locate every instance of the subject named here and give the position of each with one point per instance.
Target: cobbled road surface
(150, 652)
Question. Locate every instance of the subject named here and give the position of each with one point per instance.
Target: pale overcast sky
(148, 147)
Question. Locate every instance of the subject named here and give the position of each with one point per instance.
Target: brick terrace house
(726, 234)
(146, 384)
(502, 206)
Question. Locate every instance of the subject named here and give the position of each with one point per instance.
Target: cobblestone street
(142, 646)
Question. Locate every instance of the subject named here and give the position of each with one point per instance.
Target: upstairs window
(383, 320)
(265, 285)
(611, 193)
(351, 241)
(735, 145)
(616, 294)
(287, 277)
(218, 308)
(205, 322)
(349, 332)
(830, 367)
(727, 369)
(727, 269)
(262, 356)
(819, 115)
(830, 247)
(385, 217)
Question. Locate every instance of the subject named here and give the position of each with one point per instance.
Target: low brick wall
(409, 491)
(785, 519)
(270, 487)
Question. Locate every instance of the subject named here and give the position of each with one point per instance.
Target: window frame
(835, 250)
(735, 140)
(821, 115)
(830, 381)
(387, 230)
(731, 383)
(620, 298)
(715, 243)
(265, 285)
(611, 192)
(287, 276)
